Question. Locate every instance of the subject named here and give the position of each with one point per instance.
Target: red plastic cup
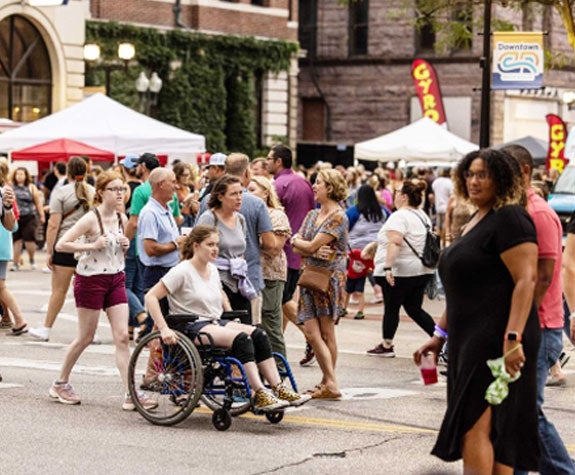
(428, 369)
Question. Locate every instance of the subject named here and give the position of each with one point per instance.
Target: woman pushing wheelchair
(194, 287)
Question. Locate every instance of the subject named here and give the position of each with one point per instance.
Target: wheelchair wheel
(215, 390)
(170, 375)
(221, 419)
(275, 417)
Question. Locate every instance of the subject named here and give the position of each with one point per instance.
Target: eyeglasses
(116, 190)
(481, 176)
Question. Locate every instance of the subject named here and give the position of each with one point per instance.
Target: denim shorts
(355, 285)
(3, 269)
(99, 292)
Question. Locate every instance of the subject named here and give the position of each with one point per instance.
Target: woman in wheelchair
(194, 287)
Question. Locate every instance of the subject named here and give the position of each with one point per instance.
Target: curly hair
(199, 234)
(220, 187)
(503, 169)
(339, 190)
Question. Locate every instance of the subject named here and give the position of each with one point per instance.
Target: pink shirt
(549, 233)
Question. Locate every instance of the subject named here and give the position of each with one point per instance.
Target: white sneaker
(40, 333)
(46, 270)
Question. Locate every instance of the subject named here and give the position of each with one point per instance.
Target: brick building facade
(355, 81)
(61, 30)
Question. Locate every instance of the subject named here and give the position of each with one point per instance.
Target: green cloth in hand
(499, 389)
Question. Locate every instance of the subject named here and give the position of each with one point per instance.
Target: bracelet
(439, 332)
(7, 208)
(572, 316)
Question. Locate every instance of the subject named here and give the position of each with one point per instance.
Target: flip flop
(20, 331)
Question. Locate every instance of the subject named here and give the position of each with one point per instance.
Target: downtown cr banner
(517, 60)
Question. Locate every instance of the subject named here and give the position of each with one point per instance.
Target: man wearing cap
(216, 168)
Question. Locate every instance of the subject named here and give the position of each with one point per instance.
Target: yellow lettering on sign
(421, 72)
(556, 163)
(432, 114)
(425, 85)
(557, 132)
(429, 102)
(556, 148)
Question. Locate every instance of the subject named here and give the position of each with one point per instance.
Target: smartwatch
(513, 336)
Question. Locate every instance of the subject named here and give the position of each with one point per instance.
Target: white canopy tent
(104, 123)
(422, 140)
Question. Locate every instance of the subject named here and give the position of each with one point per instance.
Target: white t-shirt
(407, 222)
(189, 293)
(442, 189)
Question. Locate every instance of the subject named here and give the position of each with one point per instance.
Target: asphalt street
(386, 422)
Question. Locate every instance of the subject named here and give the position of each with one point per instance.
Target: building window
(424, 29)
(358, 27)
(313, 120)
(25, 71)
(308, 26)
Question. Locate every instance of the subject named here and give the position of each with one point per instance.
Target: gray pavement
(386, 422)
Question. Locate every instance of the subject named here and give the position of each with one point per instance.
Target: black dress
(478, 287)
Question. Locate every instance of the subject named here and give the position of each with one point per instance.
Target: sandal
(20, 331)
(314, 389)
(325, 393)
(6, 325)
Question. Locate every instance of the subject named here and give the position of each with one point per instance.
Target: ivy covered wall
(208, 81)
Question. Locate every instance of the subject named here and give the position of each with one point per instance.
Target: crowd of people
(143, 238)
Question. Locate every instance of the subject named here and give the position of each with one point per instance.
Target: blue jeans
(135, 307)
(554, 456)
(134, 272)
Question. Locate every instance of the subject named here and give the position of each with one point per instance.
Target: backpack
(430, 255)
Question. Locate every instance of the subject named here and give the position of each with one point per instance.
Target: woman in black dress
(489, 276)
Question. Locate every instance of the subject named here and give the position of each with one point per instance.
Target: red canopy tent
(61, 150)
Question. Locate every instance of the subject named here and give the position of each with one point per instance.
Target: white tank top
(109, 259)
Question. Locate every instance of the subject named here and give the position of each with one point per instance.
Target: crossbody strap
(427, 229)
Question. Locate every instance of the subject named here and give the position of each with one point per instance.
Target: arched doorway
(25, 71)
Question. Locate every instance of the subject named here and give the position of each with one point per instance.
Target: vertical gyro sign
(428, 90)
(517, 60)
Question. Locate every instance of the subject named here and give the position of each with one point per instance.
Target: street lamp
(126, 52)
(485, 63)
(148, 90)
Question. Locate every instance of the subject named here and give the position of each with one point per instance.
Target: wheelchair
(179, 376)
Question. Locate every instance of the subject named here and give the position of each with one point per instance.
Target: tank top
(109, 259)
(25, 200)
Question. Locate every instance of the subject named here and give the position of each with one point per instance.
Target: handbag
(315, 278)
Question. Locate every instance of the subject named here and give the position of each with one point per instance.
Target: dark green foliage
(208, 80)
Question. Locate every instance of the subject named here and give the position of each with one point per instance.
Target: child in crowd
(357, 271)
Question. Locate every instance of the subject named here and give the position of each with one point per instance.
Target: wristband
(7, 208)
(385, 269)
(439, 332)
(572, 316)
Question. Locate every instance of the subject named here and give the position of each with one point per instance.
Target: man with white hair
(158, 238)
